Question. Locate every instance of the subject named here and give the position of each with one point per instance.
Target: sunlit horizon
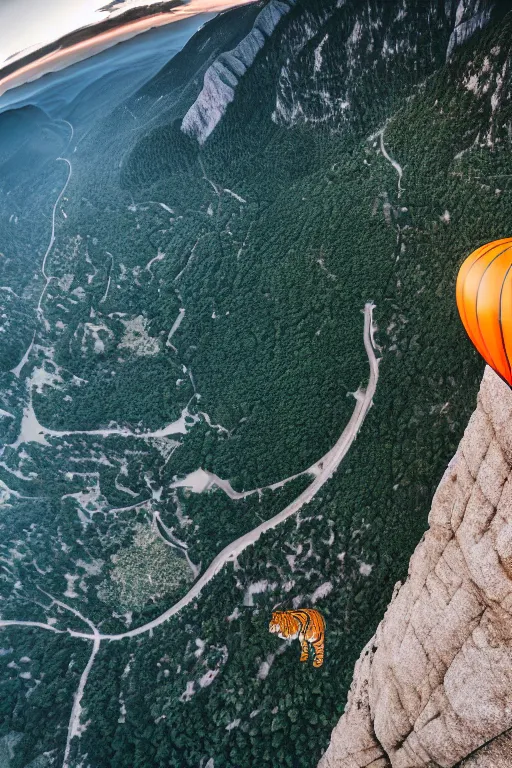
(28, 26)
(60, 59)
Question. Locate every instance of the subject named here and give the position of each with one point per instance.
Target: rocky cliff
(222, 77)
(470, 15)
(433, 687)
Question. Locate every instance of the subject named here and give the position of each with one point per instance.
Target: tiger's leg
(304, 648)
(318, 645)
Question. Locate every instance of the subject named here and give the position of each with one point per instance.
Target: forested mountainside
(186, 357)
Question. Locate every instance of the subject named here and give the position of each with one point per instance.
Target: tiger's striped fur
(305, 623)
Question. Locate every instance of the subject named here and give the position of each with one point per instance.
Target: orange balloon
(484, 301)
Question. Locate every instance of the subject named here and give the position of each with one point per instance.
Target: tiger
(305, 623)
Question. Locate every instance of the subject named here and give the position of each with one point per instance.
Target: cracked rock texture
(433, 687)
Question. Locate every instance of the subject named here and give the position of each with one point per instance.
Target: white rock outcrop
(434, 685)
(471, 15)
(221, 78)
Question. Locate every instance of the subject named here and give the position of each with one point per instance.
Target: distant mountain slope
(85, 91)
(89, 32)
(17, 127)
(168, 95)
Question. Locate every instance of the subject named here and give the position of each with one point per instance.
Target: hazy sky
(28, 24)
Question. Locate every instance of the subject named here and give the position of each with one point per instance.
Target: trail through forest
(326, 468)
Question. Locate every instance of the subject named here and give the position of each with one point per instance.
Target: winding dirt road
(326, 468)
(17, 369)
(330, 463)
(52, 238)
(396, 166)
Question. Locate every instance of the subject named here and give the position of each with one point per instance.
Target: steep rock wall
(222, 77)
(470, 16)
(434, 684)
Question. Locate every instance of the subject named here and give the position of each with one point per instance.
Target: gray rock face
(222, 77)
(434, 685)
(471, 15)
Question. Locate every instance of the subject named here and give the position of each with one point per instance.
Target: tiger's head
(275, 622)
(283, 625)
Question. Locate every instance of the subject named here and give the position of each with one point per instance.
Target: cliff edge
(433, 687)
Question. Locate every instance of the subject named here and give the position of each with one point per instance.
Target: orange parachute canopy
(484, 301)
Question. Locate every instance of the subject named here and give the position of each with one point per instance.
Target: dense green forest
(201, 307)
